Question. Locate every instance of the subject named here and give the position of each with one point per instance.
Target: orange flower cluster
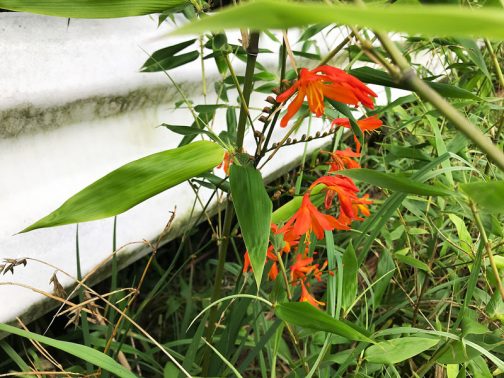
(343, 160)
(308, 219)
(335, 84)
(301, 269)
(316, 85)
(289, 241)
(325, 82)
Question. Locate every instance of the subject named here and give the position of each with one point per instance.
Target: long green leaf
(91, 8)
(133, 183)
(165, 59)
(395, 182)
(171, 62)
(373, 76)
(253, 209)
(80, 351)
(429, 20)
(397, 350)
(305, 315)
(15, 357)
(350, 270)
(489, 196)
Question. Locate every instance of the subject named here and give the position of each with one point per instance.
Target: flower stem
(284, 275)
(495, 62)
(335, 51)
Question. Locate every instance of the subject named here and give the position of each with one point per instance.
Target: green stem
(500, 77)
(219, 274)
(284, 275)
(334, 51)
(260, 154)
(495, 62)
(488, 247)
(284, 139)
(248, 86)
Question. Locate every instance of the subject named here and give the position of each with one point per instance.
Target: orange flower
(346, 190)
(301, 268)
(317, 273)
(246, 262)
(357, 87)
(343, 159)
(226, 162)
(359, 206)
(322, 82)
(366, 124)
(273, 272)
(289, 239)
(308, 218)
(307, 297)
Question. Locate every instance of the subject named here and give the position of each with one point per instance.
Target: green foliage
(307, 316)
(489, 196)
(408, 290)
(395, 182)
(397, 350)
(253, 209)
(429, 20)
(373, 76)
(81, 351)
(165, 59)
(350, 271)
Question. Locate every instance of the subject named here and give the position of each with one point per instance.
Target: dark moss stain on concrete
(28, 118)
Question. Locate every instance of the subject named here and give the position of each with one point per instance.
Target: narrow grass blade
(80, 351)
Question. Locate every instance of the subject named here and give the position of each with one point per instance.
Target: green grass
(410, 291)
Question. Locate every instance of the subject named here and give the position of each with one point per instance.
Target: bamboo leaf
(253, 209)
(395, 182)
(305, 315)
(428, 20)
(165, 59)
(373, 76)
(80, 351)
(350, 269)
(397, 350)
(411, 261)
(91, 8)
(134, 183)
(488, 196)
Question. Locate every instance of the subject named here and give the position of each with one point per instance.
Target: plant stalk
(488, 247)
(219, 274)
(252, 51)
